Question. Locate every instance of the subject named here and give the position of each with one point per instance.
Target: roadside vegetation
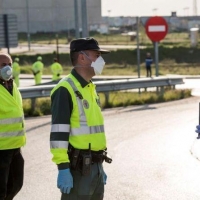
(176, 56)
(113, 38)
(179, 60)
(116, 99)
(130, 70)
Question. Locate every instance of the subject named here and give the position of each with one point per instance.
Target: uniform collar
(10, 82)
(9, 86)
(80, 79)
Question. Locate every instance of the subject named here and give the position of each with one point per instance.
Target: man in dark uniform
(77, 140)
(148, 62)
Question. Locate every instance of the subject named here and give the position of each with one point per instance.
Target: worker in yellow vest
(56, 69)
(16, 71)
(12, 132)
(77, 139)
(37, 69)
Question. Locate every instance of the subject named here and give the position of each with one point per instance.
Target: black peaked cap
(82, 44)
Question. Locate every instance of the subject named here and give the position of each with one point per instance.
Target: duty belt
(83, 159)
(97, 156)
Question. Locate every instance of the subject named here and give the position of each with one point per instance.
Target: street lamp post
(195, 7)
(28, 29)
(154, 11)
(108, 25)
(68, 31)
(57, 48)
(186, 11)
(76, 18)
(138, 46)
(84, 18)
(108, 17)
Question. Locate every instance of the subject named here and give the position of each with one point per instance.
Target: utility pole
(57, 48)
(155, 11)
(76, 18)
(28, 27)
(138, 45)
(84, 19)
(186, 13)
(195, 7)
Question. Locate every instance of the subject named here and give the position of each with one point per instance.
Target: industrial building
(50, 15)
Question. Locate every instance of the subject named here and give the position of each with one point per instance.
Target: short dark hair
(74, 57)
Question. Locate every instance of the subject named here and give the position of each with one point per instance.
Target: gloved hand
(197, 129)
(65, 181)
(104, 177)
(58, 74)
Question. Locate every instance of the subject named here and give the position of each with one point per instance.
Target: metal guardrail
(107, 86)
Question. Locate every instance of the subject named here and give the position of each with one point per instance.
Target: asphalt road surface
(154, 151)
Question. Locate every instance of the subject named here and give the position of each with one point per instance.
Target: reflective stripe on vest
(84, 128)
(59, 144)
(60, 128)
(87, 130)
(11, 134)
(11, 120)
(79, 101)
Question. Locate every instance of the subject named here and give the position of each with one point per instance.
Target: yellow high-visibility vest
(12, 130)
(57, 70)
(86, 122)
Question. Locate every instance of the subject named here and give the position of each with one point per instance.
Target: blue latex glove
(197, 129)
(65, 181)
(104, 177)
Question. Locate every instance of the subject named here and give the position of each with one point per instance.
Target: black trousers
(90, 187)
(148, 68)
(11, 173)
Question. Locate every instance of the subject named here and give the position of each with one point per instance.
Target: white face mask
(98, 64)
(6, 73)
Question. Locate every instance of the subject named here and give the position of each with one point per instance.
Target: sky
(148, 7)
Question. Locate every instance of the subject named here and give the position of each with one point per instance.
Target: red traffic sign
(156, 28)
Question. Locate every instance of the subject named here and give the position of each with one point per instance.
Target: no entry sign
(156, 28)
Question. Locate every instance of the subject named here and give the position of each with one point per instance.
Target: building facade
(49, 15)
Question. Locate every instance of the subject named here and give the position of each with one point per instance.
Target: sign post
(8, 31)
(156, 29)
(138, 47)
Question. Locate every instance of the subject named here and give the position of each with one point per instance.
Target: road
(153, 148)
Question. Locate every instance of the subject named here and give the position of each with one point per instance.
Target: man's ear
(81, 57)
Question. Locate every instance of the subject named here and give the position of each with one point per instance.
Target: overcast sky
(148, 7)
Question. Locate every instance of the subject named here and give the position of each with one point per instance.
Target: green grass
(172, 39)
(175, 57)
(118, 99)
(179, 60)
(42, 107)
(164, 69)
(131, 70)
